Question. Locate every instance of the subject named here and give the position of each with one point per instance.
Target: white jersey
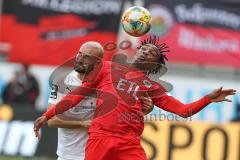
(72, 142)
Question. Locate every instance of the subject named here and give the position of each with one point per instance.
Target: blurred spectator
(237, 118)
(23, 89)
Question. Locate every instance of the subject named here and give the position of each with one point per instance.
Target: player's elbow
(185, 115)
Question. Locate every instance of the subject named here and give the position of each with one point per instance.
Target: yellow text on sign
(191, 141)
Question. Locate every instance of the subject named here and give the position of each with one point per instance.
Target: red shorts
(114, 148)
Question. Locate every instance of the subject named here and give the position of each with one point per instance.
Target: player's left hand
(86, 124)
(38, 124)
(147, 104)
(220, 94)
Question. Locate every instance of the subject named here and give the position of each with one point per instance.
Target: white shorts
(59, 158)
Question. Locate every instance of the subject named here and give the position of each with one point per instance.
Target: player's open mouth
(141, 59)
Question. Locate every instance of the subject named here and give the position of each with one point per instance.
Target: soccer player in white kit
(73, 133)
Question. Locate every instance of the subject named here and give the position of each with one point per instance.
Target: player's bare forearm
(70, 124)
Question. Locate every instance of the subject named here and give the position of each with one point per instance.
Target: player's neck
(133, 65)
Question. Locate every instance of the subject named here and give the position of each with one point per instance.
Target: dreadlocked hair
(162, 49)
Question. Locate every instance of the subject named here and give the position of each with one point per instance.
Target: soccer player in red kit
(118, 88)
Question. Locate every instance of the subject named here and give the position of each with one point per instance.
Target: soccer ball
(136, 21)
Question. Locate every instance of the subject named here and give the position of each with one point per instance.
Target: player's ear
(99, 60)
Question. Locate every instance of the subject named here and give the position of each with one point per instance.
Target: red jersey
(119, 109)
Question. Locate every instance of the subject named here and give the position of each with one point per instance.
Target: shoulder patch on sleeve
(147, 83)
(54, 91)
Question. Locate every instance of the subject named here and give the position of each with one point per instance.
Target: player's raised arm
(173, 105)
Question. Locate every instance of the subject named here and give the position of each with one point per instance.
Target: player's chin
(139, 61)
(79, 69)
(143, 63)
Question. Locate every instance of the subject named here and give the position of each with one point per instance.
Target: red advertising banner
(196, 44)
(52, 32)
(200, 32)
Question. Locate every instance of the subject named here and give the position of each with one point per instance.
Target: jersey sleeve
(74, 97)
(170, 104)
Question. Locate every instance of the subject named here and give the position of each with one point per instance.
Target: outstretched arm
(173, 105)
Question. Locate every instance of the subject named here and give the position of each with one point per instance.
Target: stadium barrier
(191, 140)
(17, 137)
(161, 139)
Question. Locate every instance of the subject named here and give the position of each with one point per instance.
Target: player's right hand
(38, 124)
